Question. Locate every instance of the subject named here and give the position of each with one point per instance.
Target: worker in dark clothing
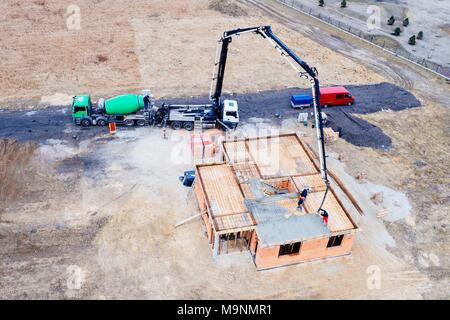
(300, 202)
(146, 102)
(305, 192)
(302, 198)
(324, 215)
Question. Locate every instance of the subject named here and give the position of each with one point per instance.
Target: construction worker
(302, 198)
(324, 215)
(146, 102)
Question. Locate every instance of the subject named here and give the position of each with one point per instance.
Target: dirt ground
(14, 162)
(166, 46)
(94, 215)
(428, 17)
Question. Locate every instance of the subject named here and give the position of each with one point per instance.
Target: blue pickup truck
(301, 101)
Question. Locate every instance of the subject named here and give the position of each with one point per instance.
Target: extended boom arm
(294, 60)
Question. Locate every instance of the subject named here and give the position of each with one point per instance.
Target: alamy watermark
(73, 17)
(74, 277)
(373, 281)
(373, 22)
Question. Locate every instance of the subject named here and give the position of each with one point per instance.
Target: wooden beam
(208, 204)
(309, 152)
(229, 214)
(343, 208)
(216, 244)
(189, 219)
(251, 156)
(226, 231)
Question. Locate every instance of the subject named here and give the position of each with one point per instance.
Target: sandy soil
(96, 216)
(121, 236)
(14, 163)
(168, 47)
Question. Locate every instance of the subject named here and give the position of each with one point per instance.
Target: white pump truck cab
(230, 113)
(185, 116)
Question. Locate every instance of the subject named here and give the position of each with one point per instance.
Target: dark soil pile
(228, 7)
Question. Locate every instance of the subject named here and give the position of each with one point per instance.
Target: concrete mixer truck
(128, 109)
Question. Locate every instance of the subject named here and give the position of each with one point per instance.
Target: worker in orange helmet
(324, 215)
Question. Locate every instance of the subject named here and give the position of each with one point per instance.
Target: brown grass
(40, 2)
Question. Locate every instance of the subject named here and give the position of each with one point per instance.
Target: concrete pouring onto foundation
(291, 229)
(250, 203)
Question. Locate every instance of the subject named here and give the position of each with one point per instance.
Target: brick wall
(310, 250)
(201, 199)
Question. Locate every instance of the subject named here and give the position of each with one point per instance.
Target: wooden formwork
(330, 135)
(224, 187)
(313, 181)
(338, 219)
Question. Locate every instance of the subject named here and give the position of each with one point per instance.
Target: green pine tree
(420, 35)
(412, 40)
(391, 21)
(397, 31)
(343, 4)
(405, 22)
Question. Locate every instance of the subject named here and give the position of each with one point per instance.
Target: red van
(335, 96)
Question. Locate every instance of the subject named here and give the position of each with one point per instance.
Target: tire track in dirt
(336, 43)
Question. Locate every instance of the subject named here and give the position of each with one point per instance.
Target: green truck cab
(82, 110)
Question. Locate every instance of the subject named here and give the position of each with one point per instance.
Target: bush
(321, 3)
(420, 35)
(391, 21)
(101, 58)
(343, 4)
(405, 22)
(397, 31)
(412, 40)
(227, 7)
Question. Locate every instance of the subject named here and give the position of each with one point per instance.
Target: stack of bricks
(202, 148)
(197, 146)
(208, 148)
(330, 135)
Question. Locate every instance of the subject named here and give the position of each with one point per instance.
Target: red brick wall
(208, 227)
(200, 195)
(201, 199)
(310, 250)
(253, 242)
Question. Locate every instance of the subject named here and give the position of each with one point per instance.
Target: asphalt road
(55, 122)
(369, 99)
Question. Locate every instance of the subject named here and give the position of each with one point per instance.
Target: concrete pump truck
(301, 67)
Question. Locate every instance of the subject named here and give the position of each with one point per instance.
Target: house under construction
(249, 202)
